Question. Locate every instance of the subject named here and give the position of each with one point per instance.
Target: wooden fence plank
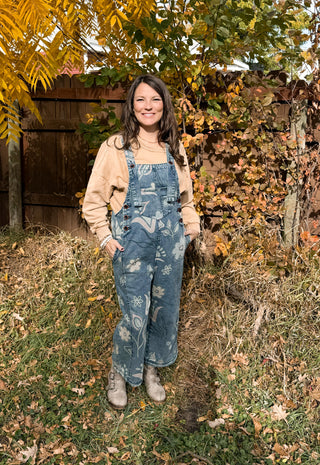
(4, 208)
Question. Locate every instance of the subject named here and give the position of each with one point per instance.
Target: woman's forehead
(144, 90)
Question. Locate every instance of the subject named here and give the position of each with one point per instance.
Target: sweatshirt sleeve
(98, 193)
(191, 218)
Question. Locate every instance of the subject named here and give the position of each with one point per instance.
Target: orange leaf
(305, 235)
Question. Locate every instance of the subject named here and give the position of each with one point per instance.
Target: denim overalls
(148, 273)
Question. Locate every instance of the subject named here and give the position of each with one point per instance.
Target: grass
(258, 376)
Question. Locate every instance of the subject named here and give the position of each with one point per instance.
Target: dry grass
(249, 355)
(252, 324)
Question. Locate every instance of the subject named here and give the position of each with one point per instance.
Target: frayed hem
(161, 365)
(120, 372)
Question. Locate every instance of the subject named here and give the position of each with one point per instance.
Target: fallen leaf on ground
(3, 386)
(278, 413)
(217, 422)
(79, 391)
(112, 450)
(29, 453)
(257, 426)
(280, 450)
(241, 358)
(126, 456)
(142, 405)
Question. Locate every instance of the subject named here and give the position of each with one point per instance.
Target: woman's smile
(148, 107)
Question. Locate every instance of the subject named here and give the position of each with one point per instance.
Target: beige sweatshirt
(109, 180)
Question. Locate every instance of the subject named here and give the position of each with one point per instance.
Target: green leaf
(223, 32)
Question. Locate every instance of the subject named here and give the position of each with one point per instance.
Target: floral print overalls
(148, 273)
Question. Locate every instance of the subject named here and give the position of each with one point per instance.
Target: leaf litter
(232, 377)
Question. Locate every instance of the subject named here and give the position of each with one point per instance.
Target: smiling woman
(143, 173)
(148, 109)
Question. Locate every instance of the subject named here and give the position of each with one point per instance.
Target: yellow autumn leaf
(113, 21)
(252, 23)
(142, 405)
(29, 27)
(79, 195)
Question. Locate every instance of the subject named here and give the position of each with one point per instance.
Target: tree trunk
(15, 189)
(292, 201)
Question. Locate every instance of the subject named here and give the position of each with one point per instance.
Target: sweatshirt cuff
(102, 232)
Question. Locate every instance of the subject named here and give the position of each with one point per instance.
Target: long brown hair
(168, 127)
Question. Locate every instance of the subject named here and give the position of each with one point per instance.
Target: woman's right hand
(112, 246)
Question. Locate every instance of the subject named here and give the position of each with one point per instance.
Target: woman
(143, 173)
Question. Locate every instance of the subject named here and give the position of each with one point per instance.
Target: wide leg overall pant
(148, 272)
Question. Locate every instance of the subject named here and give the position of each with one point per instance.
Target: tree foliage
(40, 38)
(189, 44)
(311, 55)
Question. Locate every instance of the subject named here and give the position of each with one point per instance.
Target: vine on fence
(230, 118)
(253, 145)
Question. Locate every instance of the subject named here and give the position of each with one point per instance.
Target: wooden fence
(55, 156)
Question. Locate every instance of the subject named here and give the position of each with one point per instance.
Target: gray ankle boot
(152, 382)
(117, 395)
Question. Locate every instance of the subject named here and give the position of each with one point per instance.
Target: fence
(54, 155)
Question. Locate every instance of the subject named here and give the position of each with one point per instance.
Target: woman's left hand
(192, 233)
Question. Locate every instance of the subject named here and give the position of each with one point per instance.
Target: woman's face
(147, 106)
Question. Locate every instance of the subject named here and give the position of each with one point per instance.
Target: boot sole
(116, 407)
(157, 401)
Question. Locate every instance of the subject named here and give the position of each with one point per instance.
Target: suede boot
(117, 395)
(152, 382)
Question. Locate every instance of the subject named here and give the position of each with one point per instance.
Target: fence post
(15, 184)
(292, 200)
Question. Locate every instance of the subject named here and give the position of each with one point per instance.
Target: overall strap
(133, 179)
(173, 191)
